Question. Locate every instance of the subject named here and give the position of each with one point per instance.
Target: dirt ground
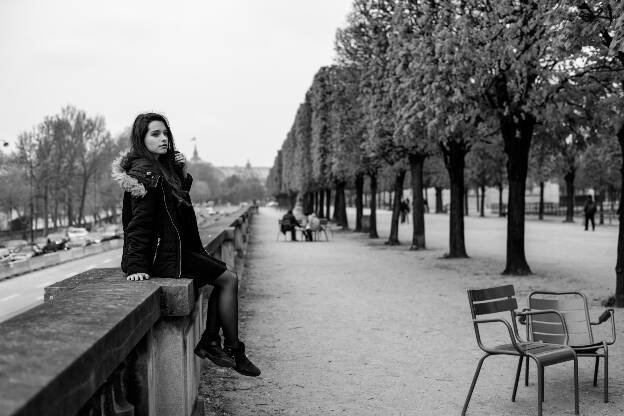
(354, 327)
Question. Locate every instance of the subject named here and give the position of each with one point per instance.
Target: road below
(26, 291)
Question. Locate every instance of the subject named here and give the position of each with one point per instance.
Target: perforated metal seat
(500, 300)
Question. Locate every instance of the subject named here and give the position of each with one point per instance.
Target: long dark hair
(170, 170)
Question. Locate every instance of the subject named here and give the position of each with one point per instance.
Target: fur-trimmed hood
(133, 174)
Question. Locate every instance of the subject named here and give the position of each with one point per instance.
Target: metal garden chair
(501, 300)
(324, 227)
(576, 331)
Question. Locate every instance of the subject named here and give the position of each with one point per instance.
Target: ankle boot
(243, 365)
(210, 348)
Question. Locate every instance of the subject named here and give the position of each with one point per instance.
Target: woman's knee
(228, 279)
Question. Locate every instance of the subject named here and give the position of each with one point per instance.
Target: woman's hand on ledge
(138, 276)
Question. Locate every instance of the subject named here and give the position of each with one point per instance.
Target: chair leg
(526, 373)
(576, 392)
(474, 381)
(540, 390)
(515, 389)
(596, 372)
(606, 376)
(542, 382)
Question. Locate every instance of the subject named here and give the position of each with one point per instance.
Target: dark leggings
(223, 301)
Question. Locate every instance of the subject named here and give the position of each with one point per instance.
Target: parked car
(4, 252)
(14, 244)
(56, 242)
(26, 251)
(111, 232)
(94, 237)
(78, 237)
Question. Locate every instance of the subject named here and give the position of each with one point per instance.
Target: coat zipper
(156, 251)
(176, 230)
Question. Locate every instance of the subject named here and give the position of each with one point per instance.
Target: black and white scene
(310, 208)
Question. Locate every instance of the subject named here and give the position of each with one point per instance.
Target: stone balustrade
(101, 345)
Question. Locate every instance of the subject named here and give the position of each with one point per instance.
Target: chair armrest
(514, 342)
(605, 316)
(528, 312)
(608, 313)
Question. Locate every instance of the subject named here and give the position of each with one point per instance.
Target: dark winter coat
(156, 228)
(589, 208)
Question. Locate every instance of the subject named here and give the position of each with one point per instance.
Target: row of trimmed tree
(501, 86)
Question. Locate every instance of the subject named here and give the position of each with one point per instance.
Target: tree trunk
(335, 215)
(321, 206)
(416, 162)
(619, 266)
(501, 213)
(328, 201)
(477, 199)
(467, 190)
(569, 180)
(45, 210)
(454, 159)
(316, 202)
(359, 207)
(340, 207)
(55, 214)
(372, 230)
(602, 197)
(517, 149)
(439, 204)
(83, 197)
(483, 200)
(540, 214)
(293, 200)
(70, 211)
(393, 238)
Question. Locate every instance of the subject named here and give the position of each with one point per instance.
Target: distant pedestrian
(161, 236)
(590, 210)
(404, 209)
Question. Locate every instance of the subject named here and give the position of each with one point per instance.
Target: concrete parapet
(59, 354)
(102, 345)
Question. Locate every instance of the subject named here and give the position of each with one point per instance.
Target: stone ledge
(75, 341)
(178, 295)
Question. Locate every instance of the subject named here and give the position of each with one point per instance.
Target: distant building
(245, 172)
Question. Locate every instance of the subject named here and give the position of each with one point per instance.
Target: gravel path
(354, 327)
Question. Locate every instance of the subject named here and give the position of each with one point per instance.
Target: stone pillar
(228, 247)
(176, 367)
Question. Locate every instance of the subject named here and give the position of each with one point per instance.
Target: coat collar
(134, 174)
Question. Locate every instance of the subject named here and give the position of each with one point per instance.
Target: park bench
(502, 300)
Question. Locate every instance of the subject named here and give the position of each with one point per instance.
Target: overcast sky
(230, 73)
